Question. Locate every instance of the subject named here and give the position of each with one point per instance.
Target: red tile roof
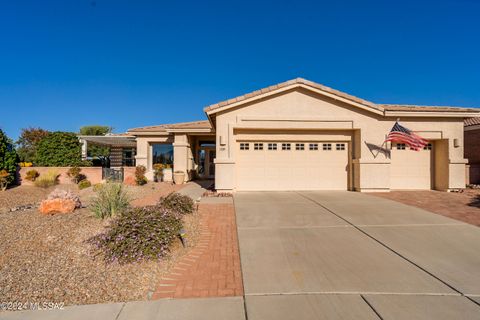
(203, 124)
(471, 122)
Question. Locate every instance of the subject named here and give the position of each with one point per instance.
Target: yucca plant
(112, 199)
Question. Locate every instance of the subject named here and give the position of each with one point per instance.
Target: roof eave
(198, 130)
(436, 114)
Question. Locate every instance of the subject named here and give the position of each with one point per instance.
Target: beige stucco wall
(300, 109)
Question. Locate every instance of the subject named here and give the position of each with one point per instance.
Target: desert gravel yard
(45, 258)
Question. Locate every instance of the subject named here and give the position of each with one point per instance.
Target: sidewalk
(166, 309)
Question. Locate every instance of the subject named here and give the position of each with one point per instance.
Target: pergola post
(84, 148)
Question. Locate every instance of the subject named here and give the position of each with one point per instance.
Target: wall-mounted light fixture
(222, 141)
(456, 143)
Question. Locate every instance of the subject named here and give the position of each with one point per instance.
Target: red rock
(57, 206)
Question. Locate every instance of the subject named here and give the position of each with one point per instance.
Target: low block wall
(94, 174)
(128, 173)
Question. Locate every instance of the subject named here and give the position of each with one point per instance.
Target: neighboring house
(300, 135)
(472, 148)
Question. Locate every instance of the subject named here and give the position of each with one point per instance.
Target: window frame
(299, 146)
(244, 146)
(258, 146)
(340, 147)
(326, 146)
(286, 146)
(313, 146)
(272, 146)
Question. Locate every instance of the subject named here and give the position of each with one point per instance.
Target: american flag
(401, 134)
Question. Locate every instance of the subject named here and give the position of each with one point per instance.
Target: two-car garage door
(292, 165)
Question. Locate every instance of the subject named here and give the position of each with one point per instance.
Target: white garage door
(292, 165)
(411, 170)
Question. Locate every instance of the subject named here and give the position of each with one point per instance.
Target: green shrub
(32, 175)
(177, 202)
(8, 159)
(139, 234)
(140, 178)
(48, 179)
(112, 199)
(84, 184)
(59, 149)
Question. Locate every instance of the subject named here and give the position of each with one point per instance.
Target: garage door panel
(411, 170)
(292, 169)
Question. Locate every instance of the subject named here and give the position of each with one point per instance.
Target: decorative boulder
(57, 206)
(60, 201)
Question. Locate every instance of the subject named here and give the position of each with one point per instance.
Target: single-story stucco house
(300, 135)
(472, 149)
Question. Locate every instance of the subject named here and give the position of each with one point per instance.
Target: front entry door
(206, 165)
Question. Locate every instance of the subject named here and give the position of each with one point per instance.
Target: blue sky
(64, 64)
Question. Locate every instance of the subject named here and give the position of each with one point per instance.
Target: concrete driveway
(337, 255)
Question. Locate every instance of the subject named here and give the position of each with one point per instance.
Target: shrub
(158, 171)
(8, 160)
(140, 178)
(48, 179)
(65, 195)
(84, 184)
(139, 234)
(4, 179)
(177, 202)
(97, 186)
(111, 199)
(59, 149)
(32, 175)
(74, 174)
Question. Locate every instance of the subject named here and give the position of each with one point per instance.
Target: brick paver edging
(212, 267)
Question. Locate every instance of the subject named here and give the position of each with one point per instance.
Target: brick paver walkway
(212, 267)
(464, 206)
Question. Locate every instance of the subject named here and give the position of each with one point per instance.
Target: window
(313, 146)
(299, 146)
(286, 146)
(340, 146)
(258, 146)
(401, 146)
(128, 157)
(244, 146)
(162, 153)
(327, 146)
(428, 147)
(272, 146)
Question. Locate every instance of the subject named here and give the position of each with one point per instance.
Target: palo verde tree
(28, 141)
(59, 149)
(8, 160)
(93, 150)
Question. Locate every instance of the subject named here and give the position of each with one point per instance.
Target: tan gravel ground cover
(45, 258)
